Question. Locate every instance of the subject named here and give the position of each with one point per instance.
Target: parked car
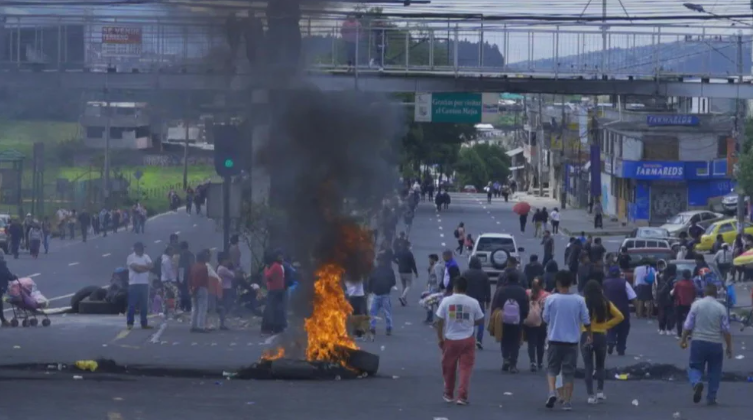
(493, 250)
(639, 243)
(469, 189)
(655, 233)
(681, 221)
(652, 254)
(727, 228)
(729, 202)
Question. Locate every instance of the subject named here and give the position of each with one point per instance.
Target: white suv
(494, 249)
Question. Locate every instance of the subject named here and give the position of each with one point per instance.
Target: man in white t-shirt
(139, 264)
(457, 318)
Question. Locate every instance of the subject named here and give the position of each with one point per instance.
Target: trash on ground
(117, 399)
(89, 365)
(739, 357)
(382, 348)
(395, 377)
(16, 347)
(635, 403)
(622, 376)
(676, 415)
(229, 374)
(77, 377)
(508, 393)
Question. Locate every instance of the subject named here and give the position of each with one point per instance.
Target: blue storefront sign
(672, 120)
(653, 170)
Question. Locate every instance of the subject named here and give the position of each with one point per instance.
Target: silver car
(682, 221)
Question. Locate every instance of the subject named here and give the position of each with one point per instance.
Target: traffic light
(227, 150)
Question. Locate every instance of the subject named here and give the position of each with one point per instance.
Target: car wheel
(499, 259)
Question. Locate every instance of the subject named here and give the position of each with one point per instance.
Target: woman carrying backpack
(534, 326)
(604, 316)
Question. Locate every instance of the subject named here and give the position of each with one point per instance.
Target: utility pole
(108, 123)
(561, 153)
(740, 136)
(603, 37)
(540, 146)
(185, 156)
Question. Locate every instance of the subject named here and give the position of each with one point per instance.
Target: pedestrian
(544, 219)
(480, 289)
(72, 223)
(585, 268)
(565, 314)
(227, 273)
(511, 269)
(46, 232)
(618, 291)
(199, 289)
(35, 240)
(523, 220)
(574, 256)
(555, 216)
(350, 35)
(550, 270)
(169, 281)
(408, 216)
(533, 269)
(684, 295)
(604, 316)
(709, 323)
(5, 277)
(189, 199)
(469, 243)
(380, 284)
(458, 317)
(16, 234)
(489, 192)
(548, 242)
(139, 265)
(664, 302)
(534, 326)
(512, 300)
(723, 260)
(643, 277)
(274, 320)
(436, 274)
(406, 267)
(460, 236)
(356, 294)
(451, 272)
(597, 251)
(115, 220)
(186, 260)
(537, 219)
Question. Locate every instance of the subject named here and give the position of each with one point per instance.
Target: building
(128, 121)
(658, 162)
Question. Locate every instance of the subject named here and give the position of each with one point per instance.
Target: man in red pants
(457, 318)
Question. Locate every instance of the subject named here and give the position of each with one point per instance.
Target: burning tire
(81, 295)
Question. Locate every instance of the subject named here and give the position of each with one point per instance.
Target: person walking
(35, 240)
(46, 232)
(406, 267)
(604, 316)
(169, 280)
(619, 292)
(460, 236)
(199, 289)
(548, 242)
(566, 315)
(684, 294)
(512, 300)
(458, 317)
(523, 221)
(555, 216)
(723, 259)
(84, 221)
(436, 274)
(451, 272)
(186, 260)
(664, 302)
(643, 277)
(139, 265)
(532, 270)
(537, 220)
(709, 323)
(72, 223)
(534, 326)
(480, 289)
(380, 284)
(227, 273)
(598, 214)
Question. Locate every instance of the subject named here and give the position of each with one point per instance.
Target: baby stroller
(27, 302)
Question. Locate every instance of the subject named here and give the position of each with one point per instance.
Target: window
(727, 227)
(721, 147)
(116, 133)
(488, 244)
(95, 132)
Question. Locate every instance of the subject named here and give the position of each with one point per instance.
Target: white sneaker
(592, 400)
(661, 332)
(600, 396)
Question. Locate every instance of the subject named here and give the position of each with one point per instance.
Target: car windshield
(653, 233)
(488, 244)
(710, 230)
(653, 257)
(679, 219)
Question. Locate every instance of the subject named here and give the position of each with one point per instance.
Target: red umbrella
(522, 208)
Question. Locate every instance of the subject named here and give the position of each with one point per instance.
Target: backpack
(511, 312)
(534, 315)
(456, 233)
(651, 276)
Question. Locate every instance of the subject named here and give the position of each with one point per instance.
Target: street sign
(448, 107)
(138, 174)
(121, 41)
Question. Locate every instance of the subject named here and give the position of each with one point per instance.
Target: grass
(21, 135)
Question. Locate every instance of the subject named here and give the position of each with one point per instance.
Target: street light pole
(108, 123)
(740, 135)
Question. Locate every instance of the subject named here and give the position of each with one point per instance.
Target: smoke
(326, 156)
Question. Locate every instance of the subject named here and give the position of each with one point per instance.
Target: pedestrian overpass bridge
(141, 55)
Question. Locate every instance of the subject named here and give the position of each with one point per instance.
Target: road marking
(270, 340)
(34, 275)
(68, 296)
(156, 336)
(444, 244)
(497, 222)
(440, 228)
(158, 241)
(441, 235)
(214, 248)
(121, 335)
(106, 255)
(177, 233)
(72, 264)
(194, 225)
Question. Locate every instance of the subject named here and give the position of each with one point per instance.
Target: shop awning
(514, 152)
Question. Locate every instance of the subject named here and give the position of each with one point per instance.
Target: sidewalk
(575, 221)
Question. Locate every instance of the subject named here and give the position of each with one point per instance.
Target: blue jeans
(480, 329)
(383, 303)
(706, 355)
(138, 296)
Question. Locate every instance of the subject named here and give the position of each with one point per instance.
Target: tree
(479, 164)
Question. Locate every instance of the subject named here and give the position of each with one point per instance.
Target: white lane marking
(441, 235)
(156, 336)
(106, 255)
(72, 264)
(194, 225)
(497, 222)
(177, 233)
(214, 248)
(270, 340)
(439, 221)
(34, 275)
(440, 228)
(158, 241)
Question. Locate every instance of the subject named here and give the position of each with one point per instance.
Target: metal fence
(193, 45)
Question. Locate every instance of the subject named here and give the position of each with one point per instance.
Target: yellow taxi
(727, 228)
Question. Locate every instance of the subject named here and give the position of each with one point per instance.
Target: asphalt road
(408, 385)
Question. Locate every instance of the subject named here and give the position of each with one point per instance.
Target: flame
(326, 328)
(275, 354)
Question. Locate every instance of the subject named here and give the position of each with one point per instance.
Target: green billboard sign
(449, 107)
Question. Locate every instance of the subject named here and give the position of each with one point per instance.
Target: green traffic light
(229, 163)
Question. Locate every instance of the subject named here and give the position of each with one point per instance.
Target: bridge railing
(201, 45)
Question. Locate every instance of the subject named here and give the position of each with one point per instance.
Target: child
(469, 242)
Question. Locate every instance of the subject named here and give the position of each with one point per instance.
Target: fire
(275, 354)
(326, 328)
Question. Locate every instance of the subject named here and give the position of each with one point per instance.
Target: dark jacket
(406, 262)
(5, 276)
(615, 290)
(505, 275)
(584, 275)
(479, 286)
(512, 291)
(532, 270)
(573, 257)
(382, 280)
(550, 282)
(596, 253)
(454, 272)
